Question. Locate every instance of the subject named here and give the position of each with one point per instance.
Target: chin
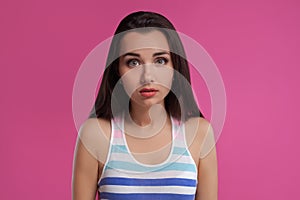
(147, 103)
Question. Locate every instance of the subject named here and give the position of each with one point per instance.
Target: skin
(137, 67)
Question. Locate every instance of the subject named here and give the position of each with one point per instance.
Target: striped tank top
(124, 178)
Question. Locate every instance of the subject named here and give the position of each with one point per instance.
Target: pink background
(255, 44)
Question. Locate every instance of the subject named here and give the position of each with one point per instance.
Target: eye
(161, 61)
(133, 62)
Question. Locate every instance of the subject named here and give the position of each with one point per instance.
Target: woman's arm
(207, 188)
(85, 173)
(91, 151)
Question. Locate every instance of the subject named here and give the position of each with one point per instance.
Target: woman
(145, 138)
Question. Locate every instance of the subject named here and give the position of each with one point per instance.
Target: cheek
(164, 76)
(131, 80)
(129, 84)
(122, 70)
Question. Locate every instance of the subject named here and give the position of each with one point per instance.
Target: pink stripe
(178, 135)
(117, 134)
(117, 120)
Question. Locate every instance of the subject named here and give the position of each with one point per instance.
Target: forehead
(132, 41)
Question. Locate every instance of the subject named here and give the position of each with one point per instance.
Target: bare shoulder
(197, 130)
(94, 134)
(95, 125)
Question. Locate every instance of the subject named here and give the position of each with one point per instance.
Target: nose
(147, 74)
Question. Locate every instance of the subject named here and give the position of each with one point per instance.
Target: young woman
(145, 138)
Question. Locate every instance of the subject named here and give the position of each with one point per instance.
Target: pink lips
(148, 92)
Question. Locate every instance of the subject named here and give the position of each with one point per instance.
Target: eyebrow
(138, 55)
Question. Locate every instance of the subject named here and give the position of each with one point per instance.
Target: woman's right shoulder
(94, 133)
(96, 126)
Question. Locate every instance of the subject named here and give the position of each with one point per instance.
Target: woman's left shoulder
(196, 130)
(197, 125)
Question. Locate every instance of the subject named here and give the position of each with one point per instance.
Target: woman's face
(146, 67)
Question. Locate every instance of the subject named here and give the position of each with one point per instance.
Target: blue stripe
(145, 196)
(119, 149)
(148, 182)
(123, 149)
(180, 151)
(139, 168)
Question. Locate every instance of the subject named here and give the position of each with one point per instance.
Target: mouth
(148, 92)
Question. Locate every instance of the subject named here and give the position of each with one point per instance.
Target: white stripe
(159, 174)
(177, 142)
(147, 189)
(119, 141)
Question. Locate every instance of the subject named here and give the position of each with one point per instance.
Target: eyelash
(157, 59)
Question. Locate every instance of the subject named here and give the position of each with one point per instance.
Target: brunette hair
(180, 107)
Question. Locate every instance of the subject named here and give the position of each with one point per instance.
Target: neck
(142, 115)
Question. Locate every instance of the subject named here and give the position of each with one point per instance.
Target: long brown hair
(174, 104)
